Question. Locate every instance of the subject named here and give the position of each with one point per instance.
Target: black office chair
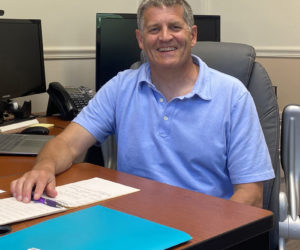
(94, 155)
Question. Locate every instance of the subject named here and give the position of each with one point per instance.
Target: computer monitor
(22, 70)
(117, 48)
(208, 28)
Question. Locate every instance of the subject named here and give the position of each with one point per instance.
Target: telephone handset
(67, 101)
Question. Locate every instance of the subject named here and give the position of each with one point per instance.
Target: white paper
(12, 210)
(1, 191)
(89, 191)
(71, 195)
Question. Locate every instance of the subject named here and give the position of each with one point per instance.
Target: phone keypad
(81, 96)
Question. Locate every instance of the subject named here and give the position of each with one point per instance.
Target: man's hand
(248, 193)
(56, 156)
(39, 180)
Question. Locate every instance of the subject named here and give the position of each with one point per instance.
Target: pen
(48, 202)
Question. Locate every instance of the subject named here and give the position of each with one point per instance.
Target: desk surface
(212, 222)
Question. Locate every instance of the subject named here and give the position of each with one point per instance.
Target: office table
(213, 223)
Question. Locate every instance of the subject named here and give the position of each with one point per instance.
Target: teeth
(166, 49)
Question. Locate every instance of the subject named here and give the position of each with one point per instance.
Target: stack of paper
(71, 195)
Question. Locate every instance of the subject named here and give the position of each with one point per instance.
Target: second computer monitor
(117, 48)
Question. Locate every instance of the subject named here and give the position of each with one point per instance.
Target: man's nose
(165, 34)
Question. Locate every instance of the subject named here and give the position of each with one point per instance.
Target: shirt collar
(202, 87)
(145, 74)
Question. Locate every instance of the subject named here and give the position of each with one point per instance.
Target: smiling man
(175, 119)
(167, 40)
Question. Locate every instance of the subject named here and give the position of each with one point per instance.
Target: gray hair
(187, 10)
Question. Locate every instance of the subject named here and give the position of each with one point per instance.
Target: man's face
(166, 37)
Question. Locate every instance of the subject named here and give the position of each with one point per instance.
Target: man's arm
(57, 156)
(249, 193)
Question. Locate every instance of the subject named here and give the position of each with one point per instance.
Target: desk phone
(67, 101)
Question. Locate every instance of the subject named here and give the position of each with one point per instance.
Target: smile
(167, 49)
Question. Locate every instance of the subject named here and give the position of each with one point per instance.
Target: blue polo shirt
(205, 141)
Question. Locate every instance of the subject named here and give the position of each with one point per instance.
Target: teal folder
(96, 227)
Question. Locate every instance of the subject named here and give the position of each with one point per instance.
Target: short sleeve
(98, 117)
(248, 155)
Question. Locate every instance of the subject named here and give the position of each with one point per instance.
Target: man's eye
(153, 30)
(176, 28)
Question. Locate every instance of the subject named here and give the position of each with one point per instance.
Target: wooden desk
(212, 222)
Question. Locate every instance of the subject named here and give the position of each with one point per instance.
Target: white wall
(69, 26)
(271, 26)
(69, 29)
(69, 35)
(66, 23)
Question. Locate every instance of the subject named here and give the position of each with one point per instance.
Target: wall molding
(278, 51)
(69, 53)
(89, 52)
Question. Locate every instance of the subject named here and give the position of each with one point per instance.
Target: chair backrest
(238, 60)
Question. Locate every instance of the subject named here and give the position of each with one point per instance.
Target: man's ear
(139, 38)
(194, 32)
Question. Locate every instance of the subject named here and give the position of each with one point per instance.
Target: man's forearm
(56, 157)
(249, 193)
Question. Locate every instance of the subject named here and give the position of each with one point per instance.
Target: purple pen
(48, 202)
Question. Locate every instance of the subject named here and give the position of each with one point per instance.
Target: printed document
(70, 195)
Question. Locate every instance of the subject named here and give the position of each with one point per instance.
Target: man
(175, 120)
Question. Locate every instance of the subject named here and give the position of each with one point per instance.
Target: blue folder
(96, 227)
